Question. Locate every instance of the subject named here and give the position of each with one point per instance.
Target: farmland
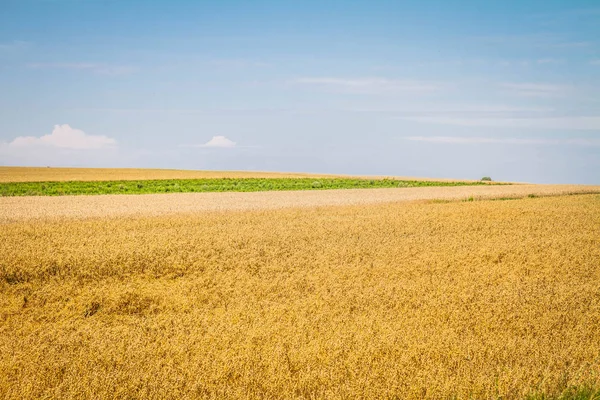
(15, 209)
(39, 174)
(298, 298)
(32, 181)
(61, 188)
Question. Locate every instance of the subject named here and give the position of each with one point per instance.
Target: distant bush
(316, 184)
(486, 178)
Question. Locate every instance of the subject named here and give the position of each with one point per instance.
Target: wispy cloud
(595, 62)
(65, 137)
(63, 65)
(571, 45)
(536, 89)
(560, 123)
(457, 110)
(531, 62)
(370, 85)
(476, 62)
(538, 40)
(550, 61)
(104, 69)
(516, 141)
(567, 16)
(225, 112)
(239, 63)
(216, 142)
(14, 45)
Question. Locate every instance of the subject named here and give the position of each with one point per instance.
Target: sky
(449, 89)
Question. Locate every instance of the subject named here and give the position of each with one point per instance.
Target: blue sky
(457, 89)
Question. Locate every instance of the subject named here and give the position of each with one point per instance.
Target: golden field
(53, 207)
(482, 299)
(44, 174)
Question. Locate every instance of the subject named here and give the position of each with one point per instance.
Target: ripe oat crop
(39, 174)
(484, 299)
(44, 207)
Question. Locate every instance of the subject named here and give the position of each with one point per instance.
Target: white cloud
(541, 40)
(595, 62)
(219, 141)
(562, 123)
(239, 63)
(371, 85)
(536, 89)
(14, 45)
(475, 140)
(80, 65)
(65, 137)
(103, 69)
(550, 61)
(573, 44)
(460, 110)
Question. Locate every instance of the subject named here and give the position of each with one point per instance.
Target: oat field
(293, 298)
(51, 207)
(54, 174)
(41, 174)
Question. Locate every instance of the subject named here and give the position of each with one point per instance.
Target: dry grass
(23, 208)
(489, 299)
(37, 174)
